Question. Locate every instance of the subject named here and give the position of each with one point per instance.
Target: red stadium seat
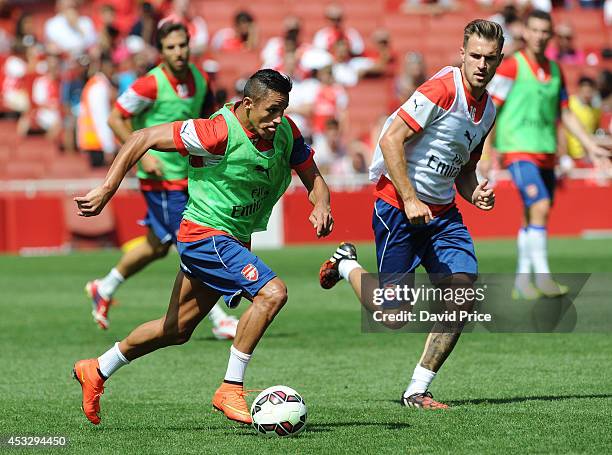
(23, 170)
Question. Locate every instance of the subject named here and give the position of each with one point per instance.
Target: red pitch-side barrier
(35, 224)
(579, 206)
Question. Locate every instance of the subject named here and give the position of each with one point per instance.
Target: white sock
(523, 269)
(421, 378)
(111, 361)
(346, 266)
(216, 315)
(536, 236)
(108, 285)
(236, 366)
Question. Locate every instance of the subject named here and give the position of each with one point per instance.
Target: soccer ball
(279, 411)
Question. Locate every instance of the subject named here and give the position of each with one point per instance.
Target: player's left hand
(322, 220)
(483, 198)
(93, 202)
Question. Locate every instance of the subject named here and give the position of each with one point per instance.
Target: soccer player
(530, 95)
(174, 90)
(427, 147)
(240, 163)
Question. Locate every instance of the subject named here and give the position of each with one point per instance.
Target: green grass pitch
(518, 393)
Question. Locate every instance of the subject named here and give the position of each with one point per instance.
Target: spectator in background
(563, 50)
(275, 49)
(15, 97)
(44, 112)
(146, 25)
(94, 136)
(330, 147)
(68, 30)
(9, 15)
(137, 64)
(411, 76)
(196, 25)
(124, 13)
(512, 25)
(108, 34)
(327, 37)
(301, 101)
(383, 59)
(242, 37)
(25, 30)
(330, 101)
(346, 69)
(334, 157)
(73, 80)
(586, 107)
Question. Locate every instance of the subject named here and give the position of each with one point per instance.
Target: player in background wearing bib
(240, 163)
(429, 146)
(531, 97)
(173, 90)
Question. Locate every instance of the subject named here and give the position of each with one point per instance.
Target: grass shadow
(328, 427)
(510, 400)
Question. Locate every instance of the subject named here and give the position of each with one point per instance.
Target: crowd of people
(62, 79)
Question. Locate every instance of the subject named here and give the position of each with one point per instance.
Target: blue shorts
(533, 183)
(225, 265)
(443, 246)
(164, 213)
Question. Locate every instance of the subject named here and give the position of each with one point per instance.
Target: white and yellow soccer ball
(279, 411)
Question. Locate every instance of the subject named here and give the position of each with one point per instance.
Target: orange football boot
(229, 399)
(92, 386)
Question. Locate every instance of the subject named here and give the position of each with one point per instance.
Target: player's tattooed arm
(318, 195)
(159, 137)
(437, 348)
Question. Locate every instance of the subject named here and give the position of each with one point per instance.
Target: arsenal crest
(250, 272)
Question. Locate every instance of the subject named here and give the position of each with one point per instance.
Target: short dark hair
(166, 28)
(539, 14)
(586, 80)
(267, 79)
(488, 30)
(243, 16)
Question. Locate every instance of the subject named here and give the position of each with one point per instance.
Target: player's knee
(273, 297)
(179, 335)
(172, 332)
(539, 210)
(182, 336)
(161, 250)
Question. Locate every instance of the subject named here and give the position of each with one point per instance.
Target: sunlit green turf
(520, 393)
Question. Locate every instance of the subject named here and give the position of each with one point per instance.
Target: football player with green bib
(240, 163)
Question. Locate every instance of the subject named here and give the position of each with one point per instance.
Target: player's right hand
(417, 212)
(93, 202)
(151, 165)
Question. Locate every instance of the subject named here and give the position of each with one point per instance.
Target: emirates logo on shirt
(473, 113)
(250, 272)
(182, 90)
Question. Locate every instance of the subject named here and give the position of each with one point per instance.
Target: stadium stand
(436, 37)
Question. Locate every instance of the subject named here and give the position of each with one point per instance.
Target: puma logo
(470, 139)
